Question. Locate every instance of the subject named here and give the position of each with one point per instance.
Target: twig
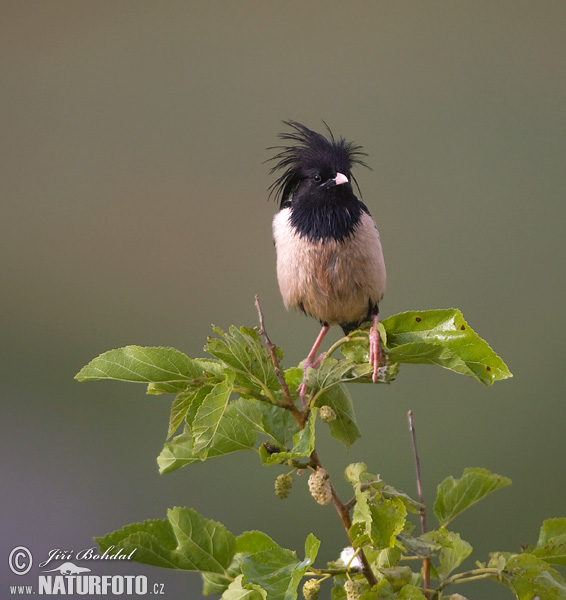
(272, 348)
(422, 511)
(466, 576)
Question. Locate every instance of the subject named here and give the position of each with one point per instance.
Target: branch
(422, 511)
(272, 348)
(471, 575)
(301, 417)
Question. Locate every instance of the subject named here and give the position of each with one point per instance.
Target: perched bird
(329, 257)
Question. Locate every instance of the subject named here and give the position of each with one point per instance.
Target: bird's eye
(317, 178)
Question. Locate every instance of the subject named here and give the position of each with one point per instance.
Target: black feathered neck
(320, 209)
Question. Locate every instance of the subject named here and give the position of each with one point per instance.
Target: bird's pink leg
(375, 353)
(311, 362)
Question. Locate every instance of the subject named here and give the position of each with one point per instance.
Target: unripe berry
(311, 589)
(327, 414)
(283, 485)
(353, 589)
(319, 486)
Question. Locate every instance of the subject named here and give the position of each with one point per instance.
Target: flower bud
(283, 485)
(311, 589)
(327, 414)
(319, 486)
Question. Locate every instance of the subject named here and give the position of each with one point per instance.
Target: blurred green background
(135, 211)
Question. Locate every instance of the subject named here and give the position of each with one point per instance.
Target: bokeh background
(134, 210)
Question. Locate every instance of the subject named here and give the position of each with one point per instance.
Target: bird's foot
(375, 352)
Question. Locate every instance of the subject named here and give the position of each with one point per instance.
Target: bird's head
(313, 165)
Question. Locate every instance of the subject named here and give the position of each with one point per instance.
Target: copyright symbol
(20, 560)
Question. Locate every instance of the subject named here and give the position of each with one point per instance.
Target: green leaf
(274, 422)
(143, 365)
(232, 434)
(242, 350)
(209, 416)
(388, 520)
(551, 545)
(456, 495)
(344, 427)
(330, 372)
(551, 528)
(356, 349)
(419, 546)
(444, 338)
(277, 423)
(185, 540)
(237, 591)
(376, 520)
(398, 576)
(530, 577)
(410, 592)
(182, 404)
(278, 571)
(249, 542)
(303, 445)
(453, 550)
(178, 453)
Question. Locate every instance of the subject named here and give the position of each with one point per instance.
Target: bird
(330, 262)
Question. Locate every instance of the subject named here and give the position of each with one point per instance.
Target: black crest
(309, 151)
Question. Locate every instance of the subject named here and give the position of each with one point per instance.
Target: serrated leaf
(344, 427)
(143, 365)
(237, 591)
(410, 592)
(360, 531)
(251, 542)
(232, 435)
(209, 416)
(247, 543)
(185, 540)
(330, 372)
(530, 577)
(356, 349)
(278, 571)
(181, 406)
(551, 545)
(303, 445)
(243, 352)
(156, 389)
(551, 528)
(418, 546)
(456, 495)
(277, 423)
(376, 520)
(444, 338)
(388, 520)
(454, 550)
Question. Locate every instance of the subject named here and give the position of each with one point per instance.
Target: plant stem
(272, 348)
(466, 576)
(422, 511)
(302, 417)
